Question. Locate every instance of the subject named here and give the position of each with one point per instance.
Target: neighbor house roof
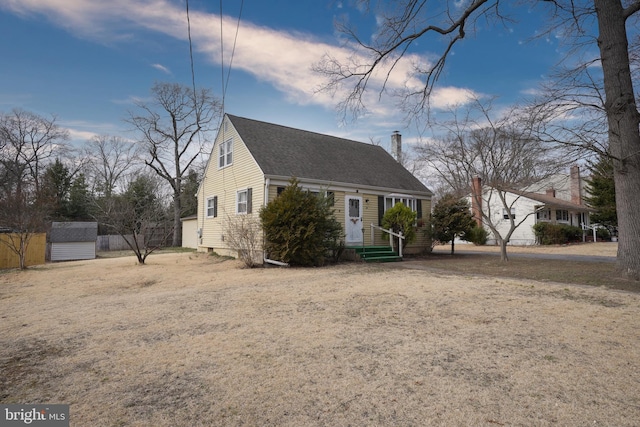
(552, 201)
(281, 151)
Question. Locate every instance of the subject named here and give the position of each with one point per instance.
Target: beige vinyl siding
(421, 244)
(224, 183)
(369, 216)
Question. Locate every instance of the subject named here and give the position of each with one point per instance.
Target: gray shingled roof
(63, 232)
(284, 151)
(552, 201)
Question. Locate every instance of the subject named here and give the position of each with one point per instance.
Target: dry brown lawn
(190, 340)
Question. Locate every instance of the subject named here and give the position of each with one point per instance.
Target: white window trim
(395, 198)
(505, 216)
(225, 150)
(206, 207)
(564, 221)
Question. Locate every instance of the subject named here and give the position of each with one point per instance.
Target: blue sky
(86, 61)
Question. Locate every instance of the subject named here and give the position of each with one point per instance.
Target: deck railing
(391, 234)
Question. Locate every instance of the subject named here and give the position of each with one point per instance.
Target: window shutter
(215, 206)
(249, 198)
(419, 208)
(380, 209)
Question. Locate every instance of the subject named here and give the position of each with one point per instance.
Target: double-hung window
(225, 157)
(212, 207)
(243, 201)
(543, 215)
(511, 213)
(562, 215)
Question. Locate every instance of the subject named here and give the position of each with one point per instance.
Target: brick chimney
(396, 146)
(575, 185)
(476, 200)
(551, 192)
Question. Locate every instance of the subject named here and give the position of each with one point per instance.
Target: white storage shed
(73, 240)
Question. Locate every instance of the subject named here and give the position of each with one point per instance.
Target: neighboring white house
(558, 199)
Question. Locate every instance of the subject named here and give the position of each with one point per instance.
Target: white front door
(353, 220)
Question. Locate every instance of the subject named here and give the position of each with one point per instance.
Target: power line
(193, 74)
(225, 83)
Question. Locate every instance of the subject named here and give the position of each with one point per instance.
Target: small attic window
(226, 153)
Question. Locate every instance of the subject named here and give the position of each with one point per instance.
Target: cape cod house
(253, 161)
(558, 199)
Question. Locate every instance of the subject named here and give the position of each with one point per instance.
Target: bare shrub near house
(243, 234)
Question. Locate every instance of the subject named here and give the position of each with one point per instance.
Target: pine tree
(602, 193)
(451, 218)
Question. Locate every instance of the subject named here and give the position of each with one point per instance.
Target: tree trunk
(503, 249)
(177, 224)
(624, 135)
(22, 256)
(452, 245)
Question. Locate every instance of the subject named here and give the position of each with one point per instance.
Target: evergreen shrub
(556, 234)
(300, 228)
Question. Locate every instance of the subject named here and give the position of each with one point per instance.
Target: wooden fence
(112, 243)
(117, 242)
(35, 250)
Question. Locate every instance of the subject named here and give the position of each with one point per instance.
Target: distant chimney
(576, 187)
(551, 192)
(396, 146)
(476, 200)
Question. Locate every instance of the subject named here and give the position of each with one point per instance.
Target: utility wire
(225, 82)
(193, 74)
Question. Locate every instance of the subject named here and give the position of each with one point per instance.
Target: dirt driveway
(188, 340)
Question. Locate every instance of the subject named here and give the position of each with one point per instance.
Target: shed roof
(287, 152)
(64, 232)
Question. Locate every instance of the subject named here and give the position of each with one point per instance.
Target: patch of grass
(178, 249)
(129, 252)
(216, 255)
(545, 270)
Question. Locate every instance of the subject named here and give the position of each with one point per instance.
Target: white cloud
(282, 58)
(448, 97)
(161, 68)
(77, 135)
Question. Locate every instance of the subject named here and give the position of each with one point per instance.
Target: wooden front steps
(376, 253)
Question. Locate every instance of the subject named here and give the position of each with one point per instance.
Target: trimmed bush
(300, 228)
(401, 218)
(477, 235)
(556, 234)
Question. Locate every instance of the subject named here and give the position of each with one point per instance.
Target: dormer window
(226, 153)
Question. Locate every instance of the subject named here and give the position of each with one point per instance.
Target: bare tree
(405, 22)
(501, 153)
(22, 215)
(28, 143)
(109, 159)
(137, 215)
(173, 130)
